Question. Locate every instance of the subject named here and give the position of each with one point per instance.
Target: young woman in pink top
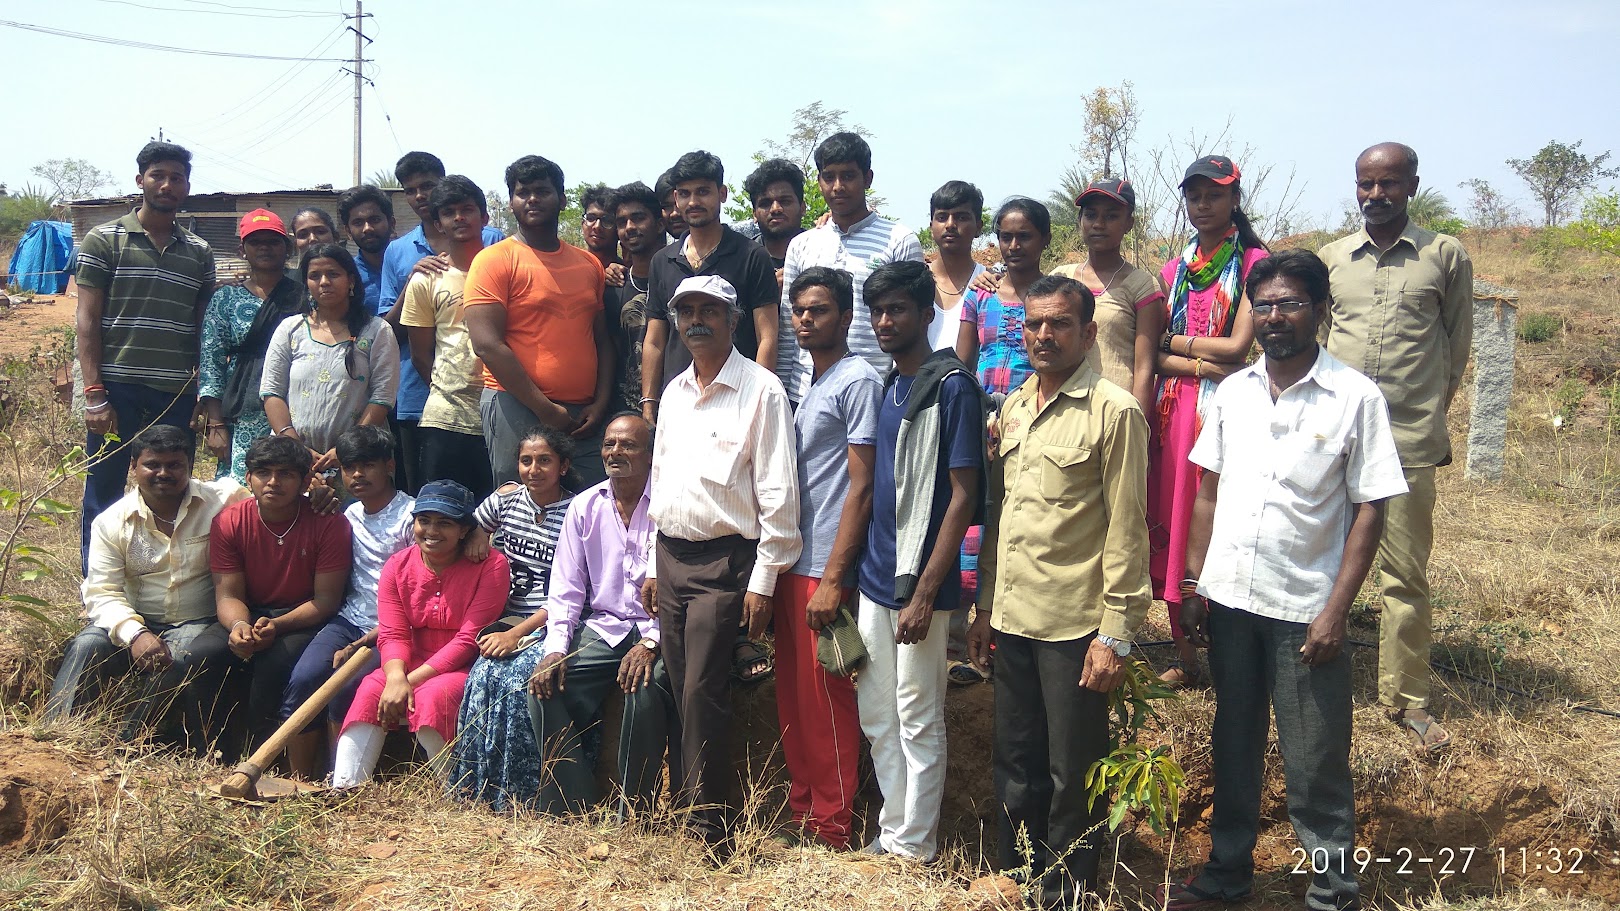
(432, 601)
(1207, 338)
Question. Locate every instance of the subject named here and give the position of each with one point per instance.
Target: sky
(985, 92)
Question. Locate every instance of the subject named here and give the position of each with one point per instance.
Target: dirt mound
(42, 789)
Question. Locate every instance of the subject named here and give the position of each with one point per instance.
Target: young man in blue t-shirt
(925, 493)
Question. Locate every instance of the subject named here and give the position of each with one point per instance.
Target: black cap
(1218, 168)
(1118, 190)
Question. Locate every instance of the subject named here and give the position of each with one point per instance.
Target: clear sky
(988, 92)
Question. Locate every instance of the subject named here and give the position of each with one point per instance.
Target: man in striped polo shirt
(144, 284)
(856, 240)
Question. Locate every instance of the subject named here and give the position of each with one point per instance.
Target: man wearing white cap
(725, 501)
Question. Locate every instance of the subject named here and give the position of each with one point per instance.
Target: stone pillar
(1496, 334)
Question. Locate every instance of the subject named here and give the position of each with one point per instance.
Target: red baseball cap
(1218, 168)
(260, 220)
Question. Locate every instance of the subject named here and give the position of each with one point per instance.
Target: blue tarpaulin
(42, 258)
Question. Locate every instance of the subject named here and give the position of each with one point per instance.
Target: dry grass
(1527, 598)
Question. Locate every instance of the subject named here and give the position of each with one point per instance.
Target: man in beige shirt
(147, 592)
(1063, 586)
(1402, 315)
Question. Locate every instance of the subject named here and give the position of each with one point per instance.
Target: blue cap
(447, 498)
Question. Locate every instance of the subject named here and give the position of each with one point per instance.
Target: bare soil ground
(1527, 608)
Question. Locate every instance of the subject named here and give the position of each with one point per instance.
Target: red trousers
(821, 729)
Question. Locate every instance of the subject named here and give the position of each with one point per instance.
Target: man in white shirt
(854, 239)
(725, 502)
(1298, 463)
(147, 591)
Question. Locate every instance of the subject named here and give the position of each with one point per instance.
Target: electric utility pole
(359, 28)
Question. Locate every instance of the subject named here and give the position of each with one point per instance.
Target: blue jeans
(314, 667)
(137, 408)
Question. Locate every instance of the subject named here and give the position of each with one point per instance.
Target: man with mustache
(725, 501)
(1065, 586)
(638, 218)
(1299, 464)
(1402, 313)
(367, 216)
(710, 247)
(776, 193)
(144, 285)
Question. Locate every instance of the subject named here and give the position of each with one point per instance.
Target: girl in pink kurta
(431, 604)
(1207, 338)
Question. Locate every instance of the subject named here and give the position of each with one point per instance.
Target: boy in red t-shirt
(280, 569)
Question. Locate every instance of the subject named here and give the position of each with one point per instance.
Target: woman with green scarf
(1207, 338)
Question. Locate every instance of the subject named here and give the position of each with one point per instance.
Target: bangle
(1198, 367)
(94, 387)
(97, 407)
(239, 623)
(647, 398)
(283, 431)
(213, 425)
(1189, 346)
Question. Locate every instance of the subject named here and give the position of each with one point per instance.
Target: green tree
(811, 124)
(71, 178)
(1599, 225)
(1558, 175)
(1487, 207)
(500, 213)
(384, 177)
(20, 209)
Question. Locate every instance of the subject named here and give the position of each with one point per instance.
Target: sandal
(1187, 896)
(965, 673)
(1425, 733)
(1182, 675)
(750, 663)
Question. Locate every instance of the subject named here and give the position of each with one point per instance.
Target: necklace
(898, 401)
(959, 288)
(701, 258)
(281, 539)
(638, 289)
(1117, 269)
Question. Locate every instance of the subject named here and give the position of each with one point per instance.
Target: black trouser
(406, 447)
(265, 675)
(700, 598)
(1049, 732)
(446, 455)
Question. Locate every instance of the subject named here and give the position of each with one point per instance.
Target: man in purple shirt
(597, 574)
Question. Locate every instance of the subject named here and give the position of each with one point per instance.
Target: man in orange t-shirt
(533, 307)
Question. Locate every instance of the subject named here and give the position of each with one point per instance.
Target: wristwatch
(1121, 647)
(650, 644)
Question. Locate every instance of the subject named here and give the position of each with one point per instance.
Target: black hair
(154, 152)
(1248, 238)
(699, 165)
(633, 193)
(364, 443)
(274, 450)
(358, 316)
(775, 170)
(1302, 265)
(652, 429)
(531, 168)
(954, 194)
(598, 194)
(1064, 286)
(836, 281)
(563, 445)
(912, 278)
(320, 213)
(163, 439)
(414, 163)
(454, 190)
(841, 147)
(355, 197)
(664, 186)
(1036, 212)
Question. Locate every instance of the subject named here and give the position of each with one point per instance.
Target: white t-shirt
(377, 536)
(947, 324)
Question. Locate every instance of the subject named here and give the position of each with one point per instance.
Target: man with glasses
(596, 225)
(1298, 464)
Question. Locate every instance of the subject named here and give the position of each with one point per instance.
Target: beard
(1283, 347)
(1378, 214)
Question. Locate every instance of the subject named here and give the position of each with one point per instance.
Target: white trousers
(901, 694)
(359, 748)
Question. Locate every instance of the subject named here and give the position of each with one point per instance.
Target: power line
(270, 89)
(237, 6)
(287, 14)
(142, 45)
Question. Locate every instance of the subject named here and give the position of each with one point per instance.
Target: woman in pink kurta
(1207, 338)
(431, 604)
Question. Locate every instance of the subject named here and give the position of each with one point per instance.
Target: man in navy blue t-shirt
(925, 493)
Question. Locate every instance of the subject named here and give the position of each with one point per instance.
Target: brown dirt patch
(29, 323)
(42, 789)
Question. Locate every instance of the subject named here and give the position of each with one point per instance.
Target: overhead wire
(270, 89)
(275, 123)
(148, 46)
(242, 12)
(237, 6)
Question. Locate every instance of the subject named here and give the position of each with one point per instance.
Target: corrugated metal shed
(213, 216)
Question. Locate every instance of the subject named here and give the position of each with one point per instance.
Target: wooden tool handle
(240, 784)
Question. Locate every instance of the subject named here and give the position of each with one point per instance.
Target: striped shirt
(873, 241)
(527, 535)
(155, 298)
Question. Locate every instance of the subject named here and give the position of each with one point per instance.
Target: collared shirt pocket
(719, 462)
(1312, 470)
(1066, 473)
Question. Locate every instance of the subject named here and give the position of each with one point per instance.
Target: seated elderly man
(600, 564)
(147, 592)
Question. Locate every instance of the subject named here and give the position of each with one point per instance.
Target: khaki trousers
(1403, 576)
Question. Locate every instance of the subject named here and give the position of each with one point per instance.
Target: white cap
(708, 285)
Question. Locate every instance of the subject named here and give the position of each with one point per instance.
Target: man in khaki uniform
(1402, 315)
(1064, 585)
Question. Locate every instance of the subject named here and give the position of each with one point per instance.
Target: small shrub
(1539, 327)
(1571, 392)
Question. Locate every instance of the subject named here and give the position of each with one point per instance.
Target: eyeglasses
(592, 218)
(1286, 308)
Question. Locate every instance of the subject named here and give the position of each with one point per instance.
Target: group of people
(851, 443)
